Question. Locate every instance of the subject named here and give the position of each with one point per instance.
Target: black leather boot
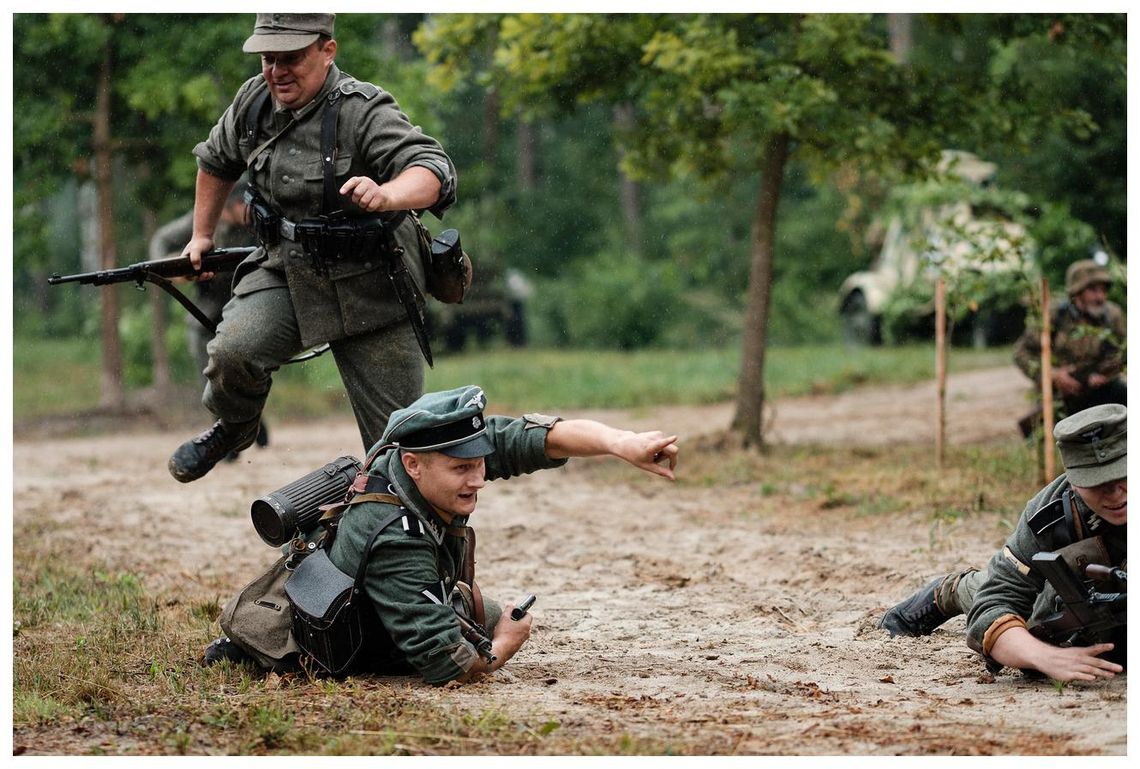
(197, 456)
(917, 615)
(223, 649)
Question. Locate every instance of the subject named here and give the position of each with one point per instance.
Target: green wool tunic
(374, 138)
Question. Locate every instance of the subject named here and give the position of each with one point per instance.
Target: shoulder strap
(252, 116)
(330, 203)
(1061, 518)
(253, 113)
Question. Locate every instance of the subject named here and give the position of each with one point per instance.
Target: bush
(626, 303)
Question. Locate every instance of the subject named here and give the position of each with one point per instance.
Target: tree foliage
(517, 94)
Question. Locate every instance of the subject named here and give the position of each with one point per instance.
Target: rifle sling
(183, 300)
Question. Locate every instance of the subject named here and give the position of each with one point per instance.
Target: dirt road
(695, 613)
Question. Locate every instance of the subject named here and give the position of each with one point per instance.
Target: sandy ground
(663, 611)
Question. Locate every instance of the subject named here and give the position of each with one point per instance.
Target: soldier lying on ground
(1084, 511)
(424, 478)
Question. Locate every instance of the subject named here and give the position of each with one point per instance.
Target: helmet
(1084, 273)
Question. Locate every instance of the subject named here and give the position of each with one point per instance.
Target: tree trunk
(630, 190)
(527, 179)
(113, 396)
(491, 128)
(749, 417)
(900, 26)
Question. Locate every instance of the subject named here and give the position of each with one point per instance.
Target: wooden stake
(940, 367)
(1047, 379)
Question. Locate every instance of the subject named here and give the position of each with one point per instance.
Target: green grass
(51, 376)
(62, 376)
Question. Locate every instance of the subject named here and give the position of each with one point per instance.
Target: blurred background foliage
(551, 183)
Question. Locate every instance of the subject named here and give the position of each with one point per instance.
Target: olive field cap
(1094, 445)
(450, 422)
(284, 32)
(1084, 273)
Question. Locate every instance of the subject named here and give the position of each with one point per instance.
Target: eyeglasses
(284, 60)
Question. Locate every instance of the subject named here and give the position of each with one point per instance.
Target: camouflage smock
(1087, 343)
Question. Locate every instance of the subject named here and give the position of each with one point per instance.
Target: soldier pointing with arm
(330, 161)
(420, 488)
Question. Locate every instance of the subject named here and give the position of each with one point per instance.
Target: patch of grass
(53, 377)
(994, 479)
(96, 648)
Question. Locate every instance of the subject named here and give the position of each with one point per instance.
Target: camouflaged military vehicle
(952, 229)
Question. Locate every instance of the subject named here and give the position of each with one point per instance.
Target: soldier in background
(1088, 333)
(209, 295)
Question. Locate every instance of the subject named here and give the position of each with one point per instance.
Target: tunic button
(286, 179)
(294, 253)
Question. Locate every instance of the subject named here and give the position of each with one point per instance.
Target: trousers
(381, 370)
(956, 593)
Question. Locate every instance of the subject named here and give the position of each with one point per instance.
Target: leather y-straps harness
(330, 198)
(373, 488)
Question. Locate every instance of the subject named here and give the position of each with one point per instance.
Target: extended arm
(653, 452)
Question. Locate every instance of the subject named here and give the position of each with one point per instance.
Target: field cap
(1084, 273)
(450, 422)
(287, 31)
(1094, 445)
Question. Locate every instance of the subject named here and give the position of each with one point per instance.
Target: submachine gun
(1083, 615)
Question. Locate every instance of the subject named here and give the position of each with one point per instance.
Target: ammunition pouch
(325, 240)
(266, 222)
(328, 240)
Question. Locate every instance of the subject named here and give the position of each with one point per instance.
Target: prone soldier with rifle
(379, 570)
(1053, 599)
(337, 175)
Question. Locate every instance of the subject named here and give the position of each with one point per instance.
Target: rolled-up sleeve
(1007, 598)
(391, 144)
